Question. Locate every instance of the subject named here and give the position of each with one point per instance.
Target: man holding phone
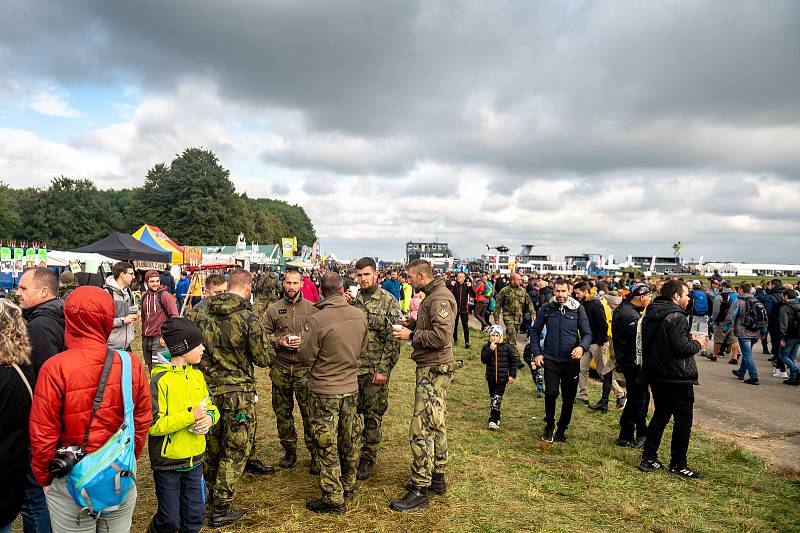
(118, 286)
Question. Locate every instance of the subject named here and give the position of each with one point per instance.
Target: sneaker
(751, 381)
(736, 373)
(791, 381)
(685, 472)
(493, 426)
(560, 436)
(733, 361)
(649, 465)
(778, 374)
(622, 443)
(621, 402)
(547, 436)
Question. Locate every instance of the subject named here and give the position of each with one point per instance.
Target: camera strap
(101, 388)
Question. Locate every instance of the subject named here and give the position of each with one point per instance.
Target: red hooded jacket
(67, 383)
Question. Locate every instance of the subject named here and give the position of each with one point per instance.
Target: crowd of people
(72, 393)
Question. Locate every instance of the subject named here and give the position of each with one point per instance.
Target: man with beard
(283, 323)
(568, 338)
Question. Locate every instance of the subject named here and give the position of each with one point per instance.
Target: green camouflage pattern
(65, 289)
(267, 291)
(228, 445)
(372, 403)
(235, 342)
(383, 350)
(511, 301)
(337, 428)
(286, 386)
(427, 433)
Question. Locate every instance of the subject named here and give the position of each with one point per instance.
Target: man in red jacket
(157, 306)
(62, 405)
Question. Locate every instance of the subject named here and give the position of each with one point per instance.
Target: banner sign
(148, 265)
(193, 255)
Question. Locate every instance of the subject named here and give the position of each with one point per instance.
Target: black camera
(65, 460)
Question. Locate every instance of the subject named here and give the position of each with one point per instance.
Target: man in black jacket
(462, 291)
(44, 313)
(624, 323)
(668, 366)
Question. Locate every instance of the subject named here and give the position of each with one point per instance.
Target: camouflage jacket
(235, 341)
(383, 350)
(266, 292)
(511, 301)
(65, 290)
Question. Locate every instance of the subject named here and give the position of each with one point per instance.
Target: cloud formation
(583, 126)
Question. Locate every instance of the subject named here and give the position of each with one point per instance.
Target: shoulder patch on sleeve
(443, 313)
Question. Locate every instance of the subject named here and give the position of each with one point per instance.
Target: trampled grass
(509, 481)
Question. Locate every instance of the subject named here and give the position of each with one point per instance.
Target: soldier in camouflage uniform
(67, 284)
(376, 363)
(511, 301)
(235, 341)
(267, 291)
(284, 322)
(333, 340)
(431, 341)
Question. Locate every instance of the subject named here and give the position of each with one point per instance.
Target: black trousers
(563, 375)
(464, 318)
(496, 391)
(775, 342)
(672, 400)
(633, 420)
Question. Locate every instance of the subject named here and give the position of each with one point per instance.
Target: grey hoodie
(122, 335)
(735, 318)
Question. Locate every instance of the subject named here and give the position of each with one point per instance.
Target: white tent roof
(62, 259)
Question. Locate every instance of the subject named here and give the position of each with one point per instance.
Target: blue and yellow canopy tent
(155, 238)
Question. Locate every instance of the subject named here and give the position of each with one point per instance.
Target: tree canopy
(193, 200)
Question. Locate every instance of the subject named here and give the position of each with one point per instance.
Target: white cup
(293, 338)
(397, 327)
(353, 290)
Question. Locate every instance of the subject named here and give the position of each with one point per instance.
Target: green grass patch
(509, 481)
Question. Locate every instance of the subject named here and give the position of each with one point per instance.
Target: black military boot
(365, 469)
(255, 466)
(437, 484)
(223, 516)
(289, 459)
(413, 500)
(601, 406)
(322, 506)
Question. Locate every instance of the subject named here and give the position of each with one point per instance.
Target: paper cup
(397, 327)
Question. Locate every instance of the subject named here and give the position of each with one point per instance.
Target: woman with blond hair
(16, 385)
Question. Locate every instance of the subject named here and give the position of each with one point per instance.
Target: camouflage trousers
(337, 427)
(373, 401)
(512, 330)
(228, 444)
(286, 386)
(427, 433)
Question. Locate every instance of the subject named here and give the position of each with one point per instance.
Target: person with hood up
(62, 407)
(309, 290)
(568, 338)
(789, 334)
(669, 367)
(183, 413)
(156, 307)
(501, 363)
(118, 286)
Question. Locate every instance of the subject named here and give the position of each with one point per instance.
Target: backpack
(488, 290)
(724, 306)
(700, 299)
(793, 329)
(99, 483)
(755, 315)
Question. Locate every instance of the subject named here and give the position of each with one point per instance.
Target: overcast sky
(580, 126)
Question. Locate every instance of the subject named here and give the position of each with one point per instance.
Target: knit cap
(180, 336)
(496, 329)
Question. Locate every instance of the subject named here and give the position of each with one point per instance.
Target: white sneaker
(778, 374)
(494, 426)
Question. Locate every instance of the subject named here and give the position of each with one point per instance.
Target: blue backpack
(100, 481)
(700, 302)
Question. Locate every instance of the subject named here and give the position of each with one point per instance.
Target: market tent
(123, 247)
(155, 238)
(58, 258)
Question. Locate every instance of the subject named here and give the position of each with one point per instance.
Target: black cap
(640, 289)
(180, 336)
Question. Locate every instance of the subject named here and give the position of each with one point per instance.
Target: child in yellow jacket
(182, 415)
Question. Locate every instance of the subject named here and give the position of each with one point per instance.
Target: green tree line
(193, 200)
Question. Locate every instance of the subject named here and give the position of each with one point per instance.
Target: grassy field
(511, 481)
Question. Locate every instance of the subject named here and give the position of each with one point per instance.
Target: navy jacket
(567, 328)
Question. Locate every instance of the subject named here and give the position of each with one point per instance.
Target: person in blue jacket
(568, 337)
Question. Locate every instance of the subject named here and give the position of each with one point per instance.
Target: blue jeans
(35, 516)
(6, 529)
(789, 357)
(747, 363)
